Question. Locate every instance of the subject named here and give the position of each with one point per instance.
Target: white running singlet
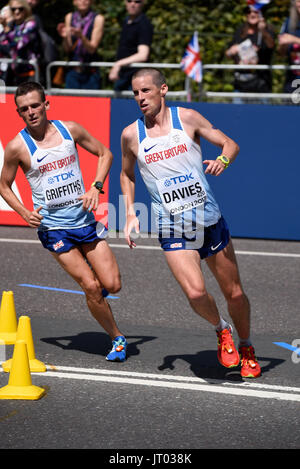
(56, 182)
(171, 167)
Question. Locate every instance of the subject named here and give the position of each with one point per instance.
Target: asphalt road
(171, 393)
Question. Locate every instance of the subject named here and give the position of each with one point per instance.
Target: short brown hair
(29, 86)
(157, 76)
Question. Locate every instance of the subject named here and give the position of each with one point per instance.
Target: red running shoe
(227, 354)
(250, 367)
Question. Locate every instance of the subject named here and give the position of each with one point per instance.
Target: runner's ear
(163, 90)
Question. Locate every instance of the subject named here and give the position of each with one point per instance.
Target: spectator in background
(34, 5)
(49, 50)
(253, 43)
(134, 44)
(82, 33)
(5, 18)
(20, 41)
(289, 44)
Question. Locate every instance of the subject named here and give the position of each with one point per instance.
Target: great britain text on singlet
(166, 154)
(53, 165)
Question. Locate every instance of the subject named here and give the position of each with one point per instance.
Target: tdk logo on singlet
(177, 179)
(61, 177)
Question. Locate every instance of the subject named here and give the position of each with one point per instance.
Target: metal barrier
(292, 98)
(108, 93)
(34, 63)
(185, 94)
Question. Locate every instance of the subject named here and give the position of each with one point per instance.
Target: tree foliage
(174, 22)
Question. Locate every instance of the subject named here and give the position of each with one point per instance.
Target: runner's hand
(90, 200)
(131, 223)
(214, 167)
(34, 218)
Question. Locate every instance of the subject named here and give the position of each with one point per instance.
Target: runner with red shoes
(165, 143)
(229, 357)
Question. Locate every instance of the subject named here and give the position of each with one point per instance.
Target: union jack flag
(191, 62)
(258, 4)
(58, 245)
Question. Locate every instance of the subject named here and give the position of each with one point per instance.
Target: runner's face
(31, 108)
(147, 94)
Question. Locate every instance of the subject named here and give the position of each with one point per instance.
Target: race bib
(63, 189)
(181, 192)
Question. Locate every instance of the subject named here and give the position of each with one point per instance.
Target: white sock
(222, 325)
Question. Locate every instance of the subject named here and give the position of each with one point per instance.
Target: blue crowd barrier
(258, 193)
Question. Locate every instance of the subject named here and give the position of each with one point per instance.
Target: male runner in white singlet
(62, 210)
(165, 143)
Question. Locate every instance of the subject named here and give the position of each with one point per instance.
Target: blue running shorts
(64, 240)
(216, 238)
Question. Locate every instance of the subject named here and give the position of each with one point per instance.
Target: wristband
(98, 185)
(224, 160)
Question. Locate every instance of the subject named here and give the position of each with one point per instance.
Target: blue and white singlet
(171, 167)
(56, 182)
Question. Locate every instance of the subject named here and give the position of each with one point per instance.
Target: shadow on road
(205, 364)
(96, 343)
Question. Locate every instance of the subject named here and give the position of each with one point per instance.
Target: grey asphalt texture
(165, 338)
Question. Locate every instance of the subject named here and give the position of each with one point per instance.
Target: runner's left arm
(198, 126)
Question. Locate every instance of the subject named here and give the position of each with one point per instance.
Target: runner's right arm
(127, 180)
(11, 163)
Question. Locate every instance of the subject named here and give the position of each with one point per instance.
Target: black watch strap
(99, 186)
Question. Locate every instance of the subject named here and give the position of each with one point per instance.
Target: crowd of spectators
(23, 36)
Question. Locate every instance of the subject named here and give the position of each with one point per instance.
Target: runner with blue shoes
(62, 209)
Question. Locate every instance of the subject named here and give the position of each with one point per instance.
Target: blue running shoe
(118, 351)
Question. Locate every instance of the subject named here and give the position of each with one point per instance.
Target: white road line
(11, 240)
(247, 253)
(190, 383)
(175, 382)
(262, 253)
(171, 377)
(158, 248)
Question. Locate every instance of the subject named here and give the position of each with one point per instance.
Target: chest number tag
(181, 192)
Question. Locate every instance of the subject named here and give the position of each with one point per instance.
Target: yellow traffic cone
(19, 384)
(24, 333)
(8, 319)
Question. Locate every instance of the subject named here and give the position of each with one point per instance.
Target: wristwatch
(99, 186)
(224, 160)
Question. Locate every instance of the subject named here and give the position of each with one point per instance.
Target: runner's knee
(196, 294)
(113, 285)
(236, 296)
(92, 289)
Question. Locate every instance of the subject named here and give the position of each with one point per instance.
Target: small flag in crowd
(191, 62)
(258, 4)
